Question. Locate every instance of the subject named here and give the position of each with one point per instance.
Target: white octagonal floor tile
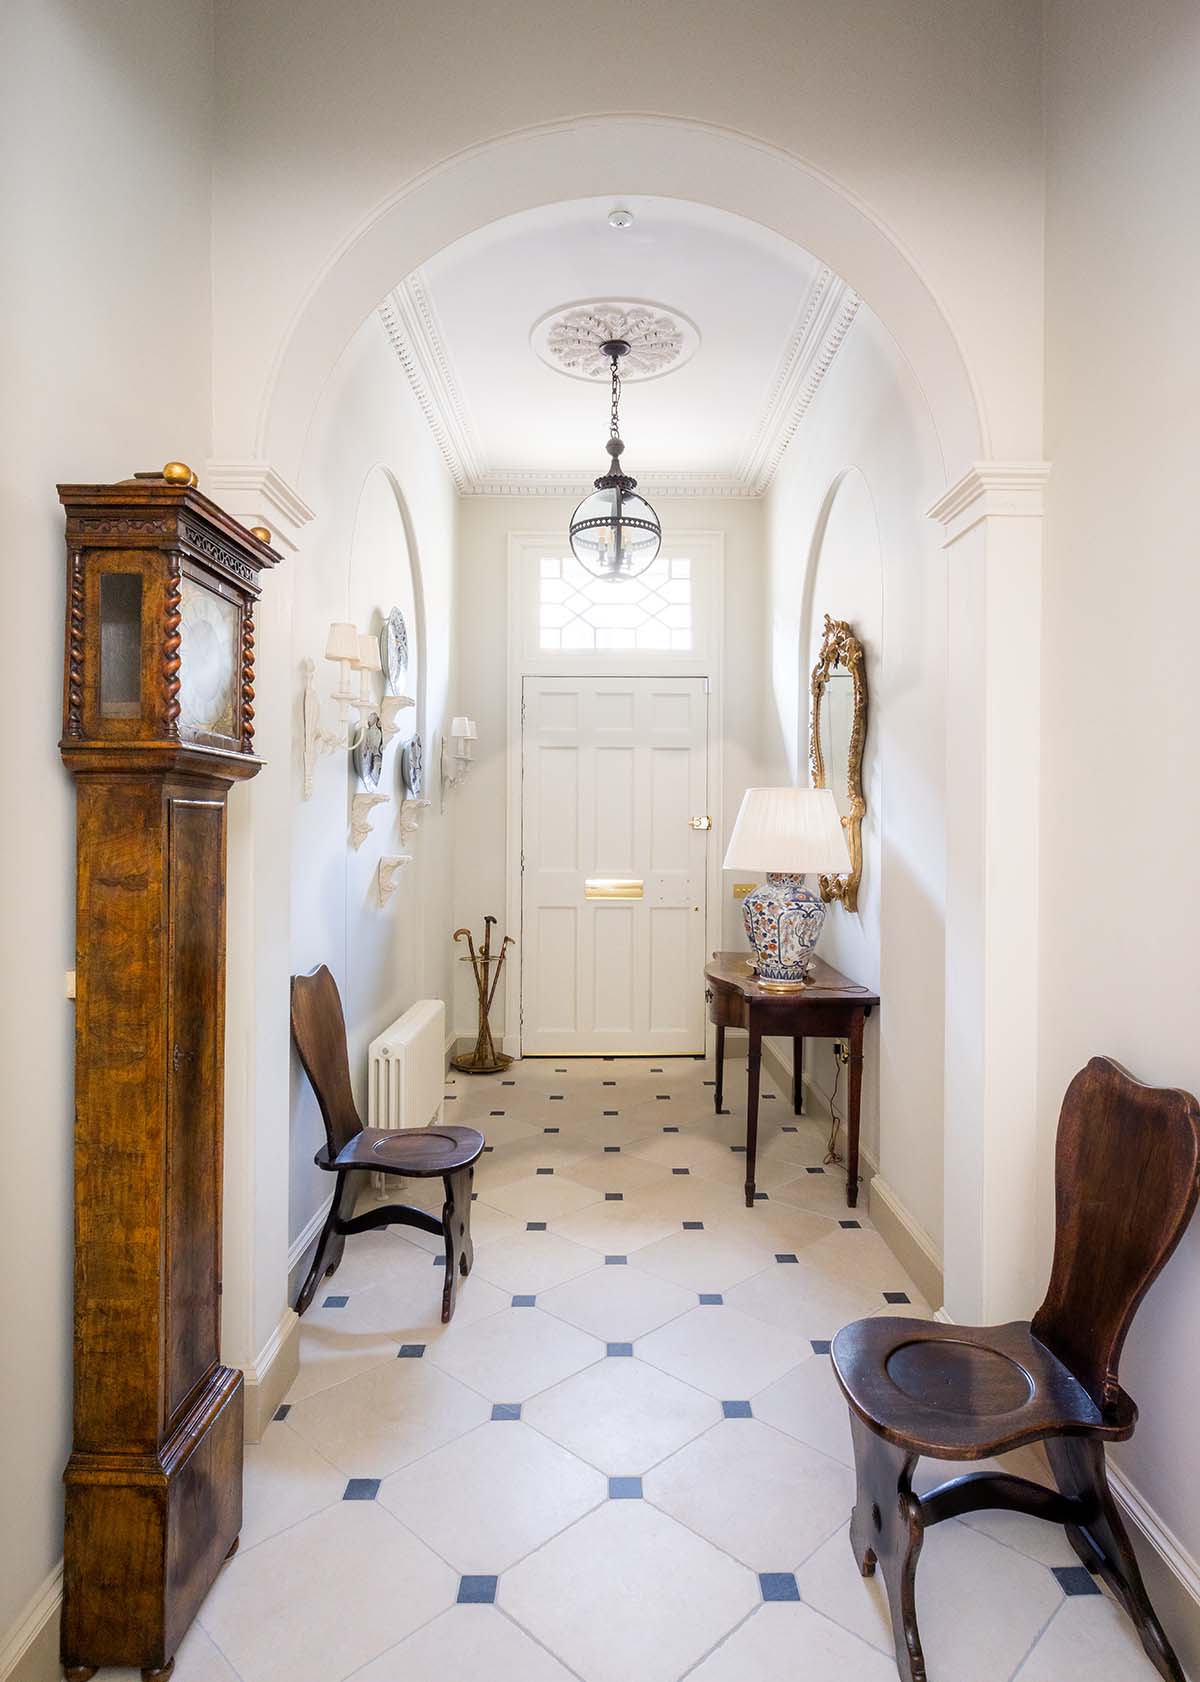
(617, 1304)
(808, 1405)
(618, 1171)
(722, 1351)
(285, 1480)
(484, 1501)
(712, 1260)
(513, 1355)
(1089, 1636)
(540, 1197)
(627, 1593)
(197, 1660)
(783, 1642)
(804, 1300)
(317, 1602)
(980, 1606)
(329, 1357)
(406, 1307)
(465, 1644)
(622, 1415)
(375, 1423)
(763, 1497)
(529, 1262)
(616, 1228)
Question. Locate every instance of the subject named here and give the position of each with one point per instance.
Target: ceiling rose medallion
(571, 339)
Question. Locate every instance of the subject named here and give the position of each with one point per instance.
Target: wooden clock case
(154, 1481)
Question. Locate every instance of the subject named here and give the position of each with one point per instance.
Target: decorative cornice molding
(992, 490)
(411, 325)
(253, 489)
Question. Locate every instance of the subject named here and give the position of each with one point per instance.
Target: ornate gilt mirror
(836, 736)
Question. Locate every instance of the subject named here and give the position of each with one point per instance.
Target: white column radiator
(407, 1068)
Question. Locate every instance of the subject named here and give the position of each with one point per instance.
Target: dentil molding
(992, 490)
(825, 318)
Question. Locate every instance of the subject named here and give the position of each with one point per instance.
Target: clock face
(208, 669)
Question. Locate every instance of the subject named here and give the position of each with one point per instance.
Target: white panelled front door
(613, 872)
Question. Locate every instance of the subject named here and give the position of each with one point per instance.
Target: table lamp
(786, 832)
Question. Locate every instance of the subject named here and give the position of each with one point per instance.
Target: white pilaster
(256, 1321)
(993, 525)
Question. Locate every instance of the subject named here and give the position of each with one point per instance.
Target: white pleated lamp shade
(342, 643)
(788, 831)
(368, 659)
(462, 729)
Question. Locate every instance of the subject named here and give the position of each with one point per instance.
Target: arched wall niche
(665, 156)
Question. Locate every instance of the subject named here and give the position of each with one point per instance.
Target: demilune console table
(828, 1006)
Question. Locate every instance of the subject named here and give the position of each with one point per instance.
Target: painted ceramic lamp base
(783, 924)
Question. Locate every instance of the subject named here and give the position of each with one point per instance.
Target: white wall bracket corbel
(360, 816)
(389, 874)
(389, 708)
(316, 739)
(410, 817)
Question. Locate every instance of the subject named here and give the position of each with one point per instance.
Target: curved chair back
(319, 1030)
(1127, 1173)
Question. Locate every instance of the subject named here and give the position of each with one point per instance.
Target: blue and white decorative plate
(393, 650)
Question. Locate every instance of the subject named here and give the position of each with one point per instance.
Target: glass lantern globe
(614, 532)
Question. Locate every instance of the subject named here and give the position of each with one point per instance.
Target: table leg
(719, 1089)
(854, 1106)
(798, 1073)
(753, 1064)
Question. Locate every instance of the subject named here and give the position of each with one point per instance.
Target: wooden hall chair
(319, 1030)
(1125, 1188)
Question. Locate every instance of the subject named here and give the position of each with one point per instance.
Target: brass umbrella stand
(485, 1059)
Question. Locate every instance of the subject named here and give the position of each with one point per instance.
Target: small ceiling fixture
(620, 218)
(614, 533)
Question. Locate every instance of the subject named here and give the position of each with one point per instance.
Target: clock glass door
(210, 633)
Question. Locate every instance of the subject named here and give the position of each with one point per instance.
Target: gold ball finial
(178, 473)
(193, 482)
(261, 532)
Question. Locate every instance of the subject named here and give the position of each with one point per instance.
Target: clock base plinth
(146, 1535)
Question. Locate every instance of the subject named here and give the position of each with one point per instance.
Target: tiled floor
(626, 1460)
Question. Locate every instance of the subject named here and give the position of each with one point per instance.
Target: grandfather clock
(157, 724)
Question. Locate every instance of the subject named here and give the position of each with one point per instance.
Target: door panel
(613, 770)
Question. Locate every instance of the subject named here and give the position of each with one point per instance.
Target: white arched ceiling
(598, 156)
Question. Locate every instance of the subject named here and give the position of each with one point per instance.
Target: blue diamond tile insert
(612, 1150)
(614, 1197)
(508, 1083)
(786, 1258)
(524, 1302)
(710, 1083)
(855, 1225)
(544, 1170)
(556, 1097)
(608, 1083)
(477, 1591)
(283, 1411)
(489, 1147)
(361, 1489)
(411, 1351)
(693, 1226)
(560, 1071)
(616, 1261)
(820, 1345)
(506, 1410)
(657, 1071)
(495, 1112)
(439, 1261)
(738, 1150)
(618, 1349)
(896, 1296)
(535, 1226)
(681, 1170)
(452, 1097)
(737, 1410)
(724, 1112)
(778, 1585)
(670, 1130)
(760, 1197)
(335, 1302)
(814, 1170)
(611, 1112)
(474, 1197)
(550, 1129)
(1075, 1579)
(663, 1097)
(789, 1130)
(624, 1489)
(711, 1299)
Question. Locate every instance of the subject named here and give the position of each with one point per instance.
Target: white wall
(1120, 915)
(104, 161)
(485, 523)
(846, 535)
(385, 536)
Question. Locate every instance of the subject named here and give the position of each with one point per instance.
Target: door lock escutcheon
(700, 823)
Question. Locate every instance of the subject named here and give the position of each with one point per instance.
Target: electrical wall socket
(841, 1050)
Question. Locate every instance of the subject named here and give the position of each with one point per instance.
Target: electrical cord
(832, 1154)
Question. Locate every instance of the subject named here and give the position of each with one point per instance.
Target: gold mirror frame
(841, 648)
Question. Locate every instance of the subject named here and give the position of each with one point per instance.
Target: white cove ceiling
(770, 318)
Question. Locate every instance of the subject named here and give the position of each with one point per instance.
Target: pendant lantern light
(614, 532)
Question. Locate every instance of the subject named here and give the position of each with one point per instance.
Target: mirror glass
(836, 727)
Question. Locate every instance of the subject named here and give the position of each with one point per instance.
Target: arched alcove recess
(595, 156)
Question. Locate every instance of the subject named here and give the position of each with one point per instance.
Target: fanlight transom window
(580, 612)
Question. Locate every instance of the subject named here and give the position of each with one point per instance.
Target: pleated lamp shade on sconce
(786, 833)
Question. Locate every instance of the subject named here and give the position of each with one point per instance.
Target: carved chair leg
(456, 1227)
(886, 1528)
(330, 1245)
(1103, 1542)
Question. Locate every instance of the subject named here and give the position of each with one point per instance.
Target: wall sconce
(353, 652)
(342, 646)
(458, 761)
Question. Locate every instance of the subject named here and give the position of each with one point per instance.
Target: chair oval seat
(964, 1392)
(421, 1152)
